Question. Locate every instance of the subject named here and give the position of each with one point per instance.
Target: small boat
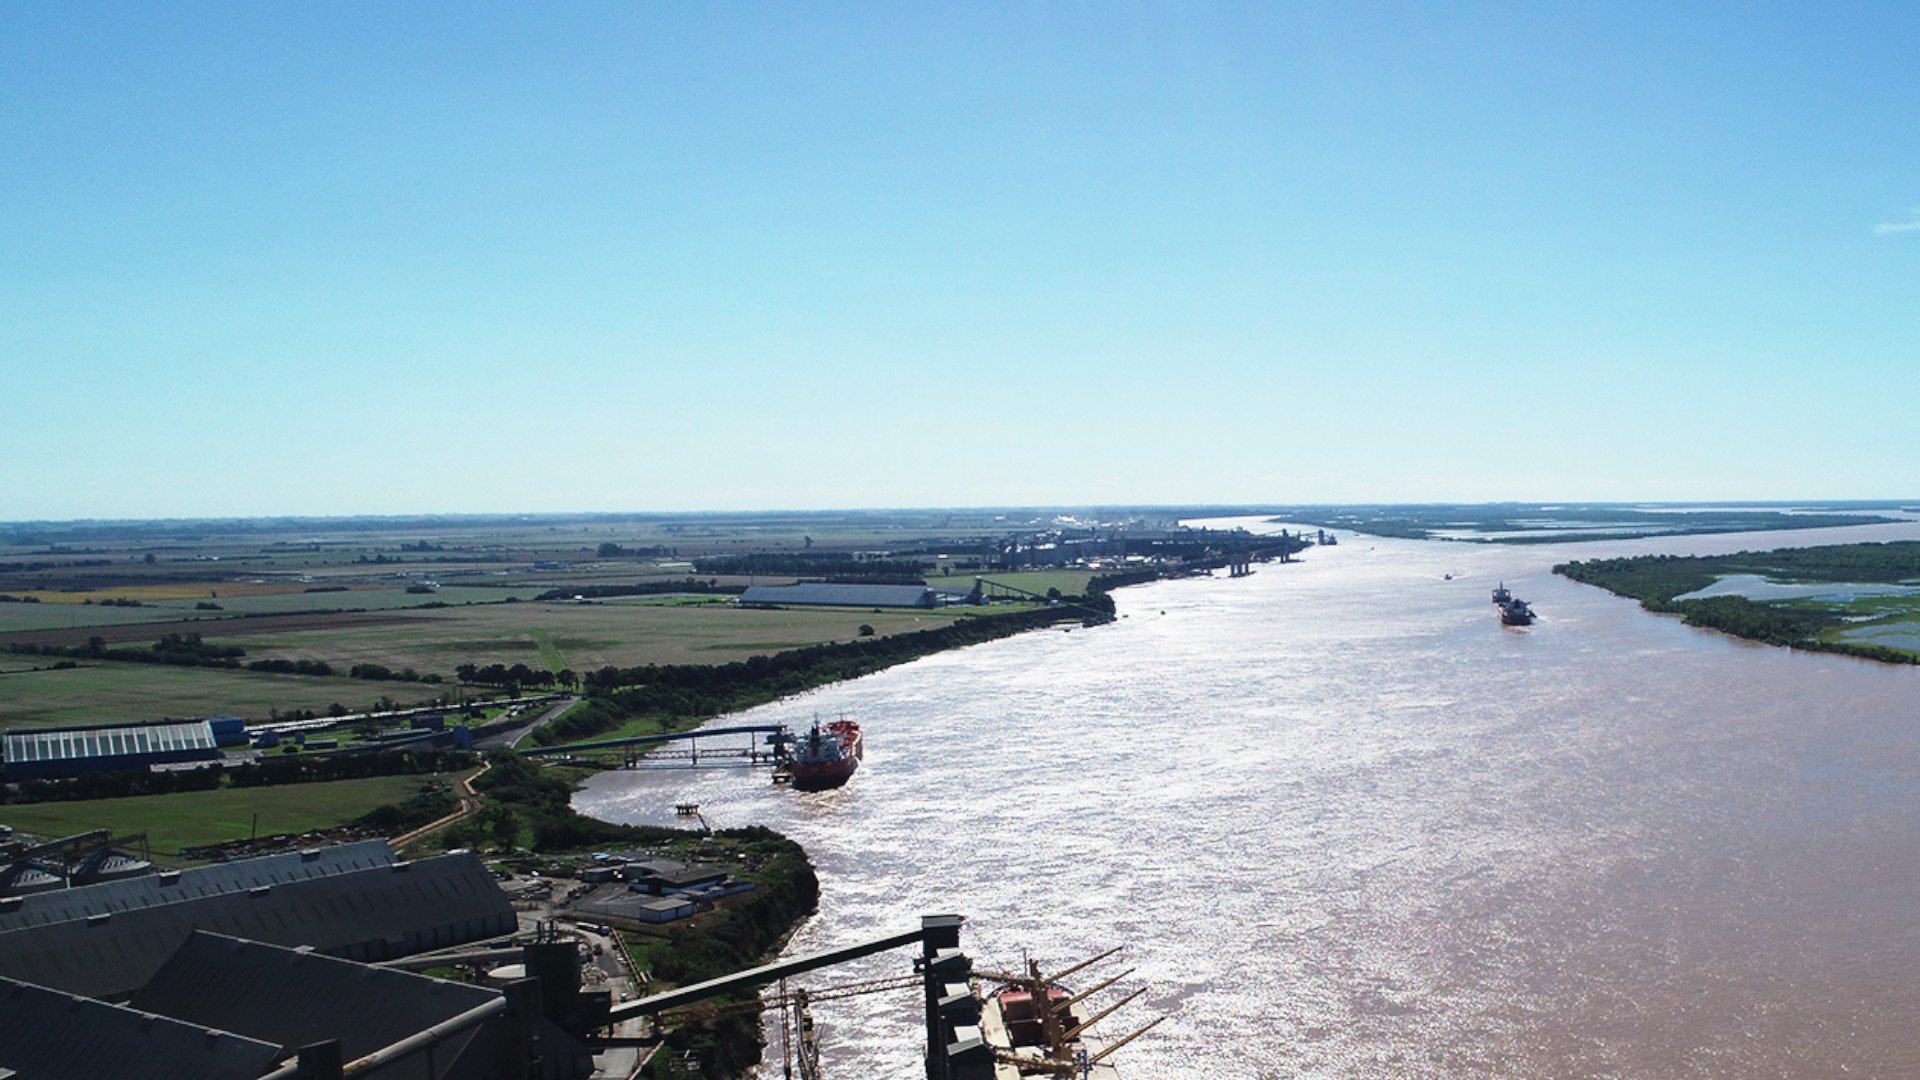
(826, 756)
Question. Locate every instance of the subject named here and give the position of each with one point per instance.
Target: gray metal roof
(840, 595)
(60, 744)
(42, 909)
(293, 998)
(371, 914)
(48, 1035)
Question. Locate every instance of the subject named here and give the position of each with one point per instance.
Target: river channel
(1348, 825)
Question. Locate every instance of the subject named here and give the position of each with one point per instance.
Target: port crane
(1057, 1022)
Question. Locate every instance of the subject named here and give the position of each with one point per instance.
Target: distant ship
(826, 756)
(1501, 595)
(1516, 613)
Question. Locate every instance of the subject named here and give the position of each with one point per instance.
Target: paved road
(512, 736)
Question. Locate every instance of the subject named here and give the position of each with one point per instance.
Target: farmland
(198, 818)
(548, 635)
(101, 693)
(428, 595)
(586, 636)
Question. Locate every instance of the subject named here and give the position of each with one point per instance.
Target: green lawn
(197, 818)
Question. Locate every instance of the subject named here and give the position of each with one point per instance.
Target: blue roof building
(44, 753)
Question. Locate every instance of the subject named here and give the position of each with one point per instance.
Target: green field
(48, 616)
(585, 636)
(1069, 582)
(103, 693)
(257, 572)
(68, 616)
(198, 818)
(355, 599)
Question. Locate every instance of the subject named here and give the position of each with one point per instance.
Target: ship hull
(816, 768)
(823, 776)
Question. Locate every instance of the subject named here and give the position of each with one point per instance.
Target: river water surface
(1347, 825)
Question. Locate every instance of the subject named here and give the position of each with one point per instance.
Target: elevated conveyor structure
(640, 751)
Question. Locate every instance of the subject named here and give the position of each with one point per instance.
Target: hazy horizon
(1181, 509)
(287, 261)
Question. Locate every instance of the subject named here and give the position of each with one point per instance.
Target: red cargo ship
(825, 757)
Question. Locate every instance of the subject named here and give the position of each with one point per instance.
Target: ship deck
(993, 1029)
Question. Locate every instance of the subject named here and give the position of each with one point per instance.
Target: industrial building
(264, 969)
(47, 1033)
(173, 886)
(49, 753)
(373, 914)
(88, 858)
(654, 890)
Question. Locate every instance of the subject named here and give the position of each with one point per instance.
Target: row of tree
(174, 649)
(682, 693)
(829, 565)
(515, 676)
(289, 769)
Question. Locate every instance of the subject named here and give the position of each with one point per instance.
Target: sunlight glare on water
(1348, 825)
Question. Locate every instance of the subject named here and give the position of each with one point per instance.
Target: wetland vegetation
(1555, 523)
(1869, 605)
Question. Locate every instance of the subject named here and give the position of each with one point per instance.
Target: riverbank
(1609, 823)
(1860, 592)
(663, 698)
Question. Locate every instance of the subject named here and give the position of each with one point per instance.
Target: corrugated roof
(42, 909)
(55, 1036)
(372, 914)
(61, 744)
(839, 595)
(294, 998)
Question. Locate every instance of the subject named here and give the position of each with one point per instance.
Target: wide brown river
(1347, 825)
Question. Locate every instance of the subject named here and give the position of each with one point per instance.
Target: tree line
(287, 769)
(680, 693)
(640, 588)
(816, 565)
(177, 650)
(516, 676)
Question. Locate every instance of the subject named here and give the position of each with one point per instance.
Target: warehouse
(229, 971)
(48, 753)
(372, 914)
(51, 1033)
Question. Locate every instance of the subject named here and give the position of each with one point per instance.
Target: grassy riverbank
(673, 697)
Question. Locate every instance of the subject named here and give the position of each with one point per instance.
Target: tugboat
(1501, 595)
(826, 756)
(1516, 613)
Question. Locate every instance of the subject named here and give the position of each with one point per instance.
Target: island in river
(1858, 599)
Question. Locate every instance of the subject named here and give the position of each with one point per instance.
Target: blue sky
(333, 258)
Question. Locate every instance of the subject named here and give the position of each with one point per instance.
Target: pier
(653, 752)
